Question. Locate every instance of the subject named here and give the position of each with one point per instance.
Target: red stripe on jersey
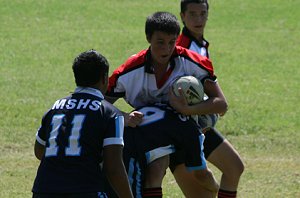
(131, 63)
(183, 41)
(165, 77)
(203, 61)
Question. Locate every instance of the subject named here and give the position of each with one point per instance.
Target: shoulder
(133, 62)
(195, 58)
(183, 41)
(131, 66)
(110, 109)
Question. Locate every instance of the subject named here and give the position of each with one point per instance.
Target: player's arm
(115, 171)
(215, 104)
(39, 150)
(131, 119)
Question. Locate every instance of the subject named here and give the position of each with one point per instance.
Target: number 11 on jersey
(73, 149)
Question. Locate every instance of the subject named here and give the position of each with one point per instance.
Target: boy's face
(195, 18)
(162, 47)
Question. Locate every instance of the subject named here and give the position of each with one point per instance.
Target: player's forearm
(210, 106)
(119, 181)
(115, 171)
(39, 150)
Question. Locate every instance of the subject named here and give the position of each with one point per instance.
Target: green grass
(254, 48)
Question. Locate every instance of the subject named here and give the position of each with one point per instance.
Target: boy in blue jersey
(80, 139)
(163, 131)
(218, 150)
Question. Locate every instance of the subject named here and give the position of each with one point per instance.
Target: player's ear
(148, 38)
(182, 16)
(105, 79)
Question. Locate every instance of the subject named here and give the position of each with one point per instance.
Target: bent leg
(154, 175)
(193, 185)
(228, 161)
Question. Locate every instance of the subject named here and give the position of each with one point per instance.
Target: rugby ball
(192, 88)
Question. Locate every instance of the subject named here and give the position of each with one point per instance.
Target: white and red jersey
(135, 80)
(186, 40)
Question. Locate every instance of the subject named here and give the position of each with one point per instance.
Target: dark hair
(89, 67)
(162, 21)
(184, 4)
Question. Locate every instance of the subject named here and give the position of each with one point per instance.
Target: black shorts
(143, 147)
(69, 195)
(212, 140)
(161, 133)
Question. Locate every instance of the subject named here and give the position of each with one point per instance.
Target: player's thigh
(226, 158)
(156, 171)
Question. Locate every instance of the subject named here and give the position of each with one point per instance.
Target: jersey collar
(148, 63)
(89, 90)
(204, 43)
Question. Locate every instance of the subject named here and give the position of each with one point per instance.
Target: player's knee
(203, 175)
(207, 179)
(240, 167)
(236, 170)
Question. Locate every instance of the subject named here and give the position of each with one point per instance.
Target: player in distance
(218, 150)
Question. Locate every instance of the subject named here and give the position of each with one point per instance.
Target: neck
(199, 37)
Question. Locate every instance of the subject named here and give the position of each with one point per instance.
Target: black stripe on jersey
(191, 38)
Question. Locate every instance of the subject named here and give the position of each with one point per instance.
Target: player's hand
(179, 103)
(133, 119)
(222, 114)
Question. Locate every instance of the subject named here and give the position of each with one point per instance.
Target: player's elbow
(224, 106)
(221, 106)
(39, 150)
(38, 156)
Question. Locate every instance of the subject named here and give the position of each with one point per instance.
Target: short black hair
(89, 67)
(184, 4)
(162, 21)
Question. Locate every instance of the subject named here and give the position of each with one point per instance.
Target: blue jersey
(162, 132)
(74, 132)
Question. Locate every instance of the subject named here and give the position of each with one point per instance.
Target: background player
(218, 151)
(77, 134)
(146, 77)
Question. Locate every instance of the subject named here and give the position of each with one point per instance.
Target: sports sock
(152, 192)
(226, 194)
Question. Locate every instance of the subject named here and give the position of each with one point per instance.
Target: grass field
(254, 46)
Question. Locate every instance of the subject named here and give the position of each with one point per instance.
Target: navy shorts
(161, 133)
(212, 140)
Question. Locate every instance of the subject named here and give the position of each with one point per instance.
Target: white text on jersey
(93, 105)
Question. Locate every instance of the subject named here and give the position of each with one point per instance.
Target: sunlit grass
(254, 47)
